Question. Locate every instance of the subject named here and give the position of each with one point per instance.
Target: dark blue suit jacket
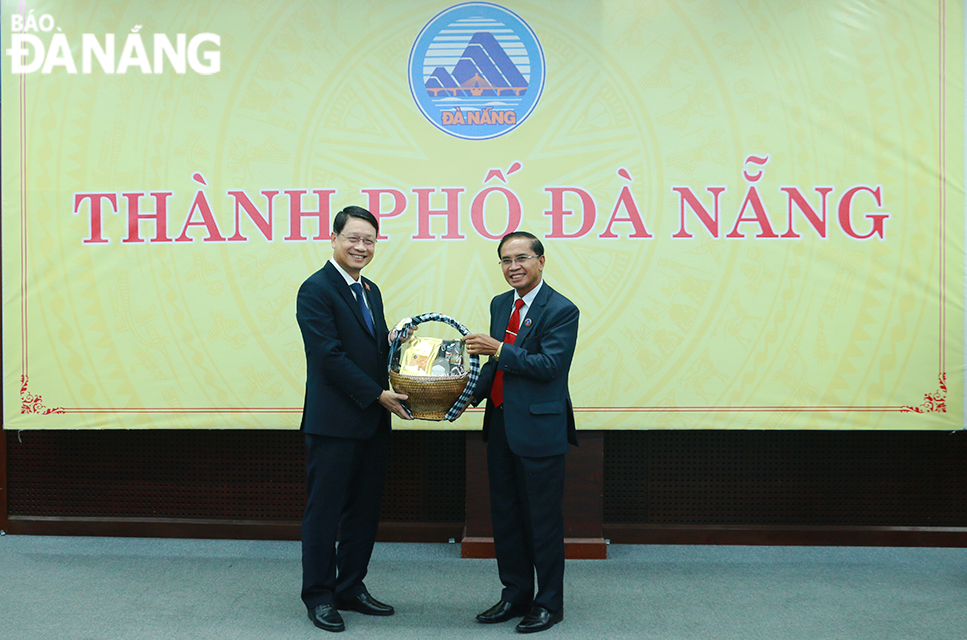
(345, 363)
(538, 415)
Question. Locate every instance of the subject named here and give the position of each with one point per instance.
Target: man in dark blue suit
(528, 424)
(346, 420)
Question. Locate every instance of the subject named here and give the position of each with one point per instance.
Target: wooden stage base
(574, 548)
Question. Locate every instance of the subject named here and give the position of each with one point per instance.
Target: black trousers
(526, 508)
(344, 489)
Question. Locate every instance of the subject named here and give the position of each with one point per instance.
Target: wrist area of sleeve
(497, 354)
(366, 394)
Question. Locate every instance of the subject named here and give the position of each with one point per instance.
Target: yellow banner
(757, 206)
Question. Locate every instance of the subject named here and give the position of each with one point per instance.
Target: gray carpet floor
(146, 589)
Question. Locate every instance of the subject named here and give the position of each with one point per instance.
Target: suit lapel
(500, 320)
(347, 295)
(533, 314)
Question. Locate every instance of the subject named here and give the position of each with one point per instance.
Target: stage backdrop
(757, 205)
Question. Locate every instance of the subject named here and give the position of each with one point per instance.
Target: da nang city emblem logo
(476, 71)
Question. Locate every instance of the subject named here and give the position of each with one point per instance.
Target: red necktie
(510, 335)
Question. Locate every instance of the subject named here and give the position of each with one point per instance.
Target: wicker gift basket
(435, 374)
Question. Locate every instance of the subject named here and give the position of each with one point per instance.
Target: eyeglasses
(366, 240)
(507, 262)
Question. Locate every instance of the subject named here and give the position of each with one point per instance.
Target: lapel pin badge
(527, 322)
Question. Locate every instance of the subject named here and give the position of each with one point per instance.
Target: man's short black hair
(536, 245)
(353, 211)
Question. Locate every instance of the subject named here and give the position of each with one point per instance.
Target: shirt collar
(528, 298)
(348, 278)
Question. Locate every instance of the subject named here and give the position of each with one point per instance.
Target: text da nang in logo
(476, 71)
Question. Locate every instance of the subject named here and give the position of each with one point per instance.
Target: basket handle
(473, 372)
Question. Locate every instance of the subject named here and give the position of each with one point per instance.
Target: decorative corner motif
(34, 403)
(932, 402)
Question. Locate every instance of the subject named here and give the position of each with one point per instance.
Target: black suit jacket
(538, 415)
(345, 362)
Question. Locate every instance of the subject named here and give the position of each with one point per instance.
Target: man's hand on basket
(394, 403)
(406, 335)
(481, 344)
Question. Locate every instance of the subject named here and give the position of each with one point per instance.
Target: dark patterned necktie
(367, 316)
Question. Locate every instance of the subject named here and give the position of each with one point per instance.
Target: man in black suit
(346, 420)
(528, 424)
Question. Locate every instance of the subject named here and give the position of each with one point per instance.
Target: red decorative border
(933, 402)
(34, 403)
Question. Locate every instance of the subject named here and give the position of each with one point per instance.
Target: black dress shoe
(502, 611)
(366, 604)
(326, 617)
(540, 619)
